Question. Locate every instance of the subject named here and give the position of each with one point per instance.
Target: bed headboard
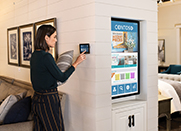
(169, 77)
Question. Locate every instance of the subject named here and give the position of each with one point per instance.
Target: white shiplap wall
(146, 12)
(88, 105)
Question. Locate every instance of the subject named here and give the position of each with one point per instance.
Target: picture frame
(161, 50)
(13, 46)
(52, 22)
(26, 44)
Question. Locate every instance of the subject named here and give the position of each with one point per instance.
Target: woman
(44, 75)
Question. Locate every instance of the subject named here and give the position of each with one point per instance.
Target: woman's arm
(79, 59)
(56, 72)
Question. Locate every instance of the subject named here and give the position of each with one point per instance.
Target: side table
(164, 106)
(162, 68)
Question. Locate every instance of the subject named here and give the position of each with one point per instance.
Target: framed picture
(52, 22)
(161, 50)
(26, 37)
(13, 46)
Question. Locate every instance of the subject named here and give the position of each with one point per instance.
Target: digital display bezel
(88, 48)
(138, 57)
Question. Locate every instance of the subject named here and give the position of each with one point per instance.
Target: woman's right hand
(79, 59)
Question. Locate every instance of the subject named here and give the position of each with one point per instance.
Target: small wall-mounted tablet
(83, 47)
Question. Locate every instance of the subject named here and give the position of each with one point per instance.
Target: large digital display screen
(125, 57)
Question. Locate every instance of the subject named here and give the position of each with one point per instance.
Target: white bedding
(167, 90)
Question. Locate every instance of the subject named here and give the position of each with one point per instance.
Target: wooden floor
(175, 122)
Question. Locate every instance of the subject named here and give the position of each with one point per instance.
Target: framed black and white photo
(52, 22)
(161, 50)
(26, 38)
(13, 46)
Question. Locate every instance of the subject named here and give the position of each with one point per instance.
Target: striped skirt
(46, 110)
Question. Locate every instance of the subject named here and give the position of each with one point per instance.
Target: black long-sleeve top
(45, 72)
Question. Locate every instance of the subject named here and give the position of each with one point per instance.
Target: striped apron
(46, 110)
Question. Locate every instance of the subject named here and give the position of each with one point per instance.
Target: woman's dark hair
(42, 31)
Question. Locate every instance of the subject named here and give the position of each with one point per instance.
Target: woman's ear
(46, 37)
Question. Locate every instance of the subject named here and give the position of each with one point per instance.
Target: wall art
(13, 46)
(26, 40)
(52, 22)
(161, 50)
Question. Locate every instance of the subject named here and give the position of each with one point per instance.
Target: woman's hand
(79, 59)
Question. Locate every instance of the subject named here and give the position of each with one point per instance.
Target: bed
(169, 85)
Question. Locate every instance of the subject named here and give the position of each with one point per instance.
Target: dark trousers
(46, 110)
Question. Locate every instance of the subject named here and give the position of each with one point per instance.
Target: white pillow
(64, 61)
(7, 104)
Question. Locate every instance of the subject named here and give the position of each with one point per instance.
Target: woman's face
(51, 40)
